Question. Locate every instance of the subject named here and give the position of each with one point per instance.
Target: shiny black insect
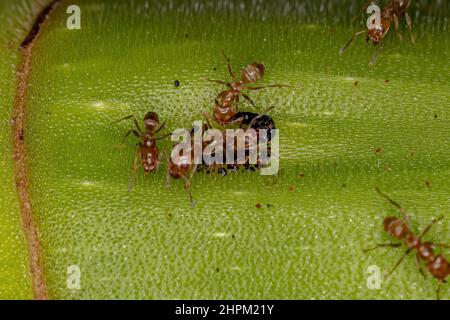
(256, 121)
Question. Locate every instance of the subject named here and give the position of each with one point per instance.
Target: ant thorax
(237, 86)
(149, 141)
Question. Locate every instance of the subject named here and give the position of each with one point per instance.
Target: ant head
(253, 72)
(387, 222)
(151, 121)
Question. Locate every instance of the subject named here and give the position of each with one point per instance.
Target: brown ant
(147, 153)
(226, 103)
(401, 229)
(184, 169)
(394, 11)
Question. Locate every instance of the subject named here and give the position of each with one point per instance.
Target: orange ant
(185, 167)
(147, 153)
(225, 104)
(396, 10)
(401, 229)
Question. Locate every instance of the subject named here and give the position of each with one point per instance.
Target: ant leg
(127, 134)
(248, 99)
(425, 231)
(164, 136)
(161, 157)
(238, 120)
(441, 245)
(168, 178)
(409, 23)
(168, 169)
(124, 118)
(438, 291)
(395, 204)
(398, 263)
(136, 124)
(419, 266)
(136, 166)
(230, 69)
(375, 56)
(397, 28)
(160, 128)
(188, 184)
(357, 34)
(267, 86)
(208, 124)
(384, 245)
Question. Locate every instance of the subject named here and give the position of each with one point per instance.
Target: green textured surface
(15, 282)
(308, 244)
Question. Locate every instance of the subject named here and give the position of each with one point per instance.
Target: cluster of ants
(225, 113)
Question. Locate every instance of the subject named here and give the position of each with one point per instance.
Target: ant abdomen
(253, 72)
(439, 268)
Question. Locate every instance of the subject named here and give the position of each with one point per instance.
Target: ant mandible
(226, 103)
(147, 153)
(401, 229)
(394, 11)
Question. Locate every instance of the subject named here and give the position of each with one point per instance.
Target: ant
(401, 229)
(184, 168)
(147, 153)
(225, 104)
(394, 11)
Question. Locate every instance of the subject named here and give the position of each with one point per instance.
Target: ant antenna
(230, 69)
(136, 166)
(395, 204)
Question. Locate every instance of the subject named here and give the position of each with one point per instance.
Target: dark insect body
(393, 12)
(226, 103)
(147, 153)
(256, 121)
(436, 264)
